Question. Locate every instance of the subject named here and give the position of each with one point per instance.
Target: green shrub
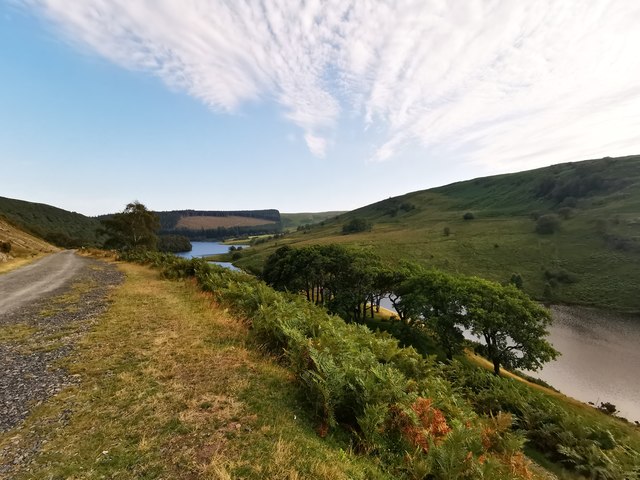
(468, 216)
(356, 225)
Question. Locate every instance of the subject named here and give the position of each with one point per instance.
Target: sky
(304, 105)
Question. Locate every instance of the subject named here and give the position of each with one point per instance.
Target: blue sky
(304, 106)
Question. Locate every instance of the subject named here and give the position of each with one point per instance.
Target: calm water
(201, 249)
(600, 359)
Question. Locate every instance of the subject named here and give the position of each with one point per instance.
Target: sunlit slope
(592, 258)
(23, 247)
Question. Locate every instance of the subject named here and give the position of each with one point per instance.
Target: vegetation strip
(415, 416)
(168, 388)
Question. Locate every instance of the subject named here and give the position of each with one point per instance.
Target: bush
(468, 216)
(566, 212)
(560, 276)
(547, 224)
(447, 231)
(356, 225)
(5, 247)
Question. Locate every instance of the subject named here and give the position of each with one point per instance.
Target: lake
(202, 249)
(600, 359)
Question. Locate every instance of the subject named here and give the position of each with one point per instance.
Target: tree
(434, 299)
(512, 326)
(133, 228)
(356, 225)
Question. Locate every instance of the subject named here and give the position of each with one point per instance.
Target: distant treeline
(169, 220)
(221, 232)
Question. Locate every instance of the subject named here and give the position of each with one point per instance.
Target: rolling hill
(490, 227)
(55, 225)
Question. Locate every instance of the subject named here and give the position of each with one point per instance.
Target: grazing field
(200, 222)
(592, 256)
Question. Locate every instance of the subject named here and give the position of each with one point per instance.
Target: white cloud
(317, 145)
(498, 81)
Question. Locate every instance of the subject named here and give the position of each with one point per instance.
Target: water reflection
(203, 249)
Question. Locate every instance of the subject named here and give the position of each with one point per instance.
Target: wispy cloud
(498, 82)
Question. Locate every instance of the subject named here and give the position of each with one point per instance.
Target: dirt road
(27, 284)
(45, 308)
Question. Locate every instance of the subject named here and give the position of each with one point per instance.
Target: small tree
(133, 228)
(356, 225)
(447, 231)
(512, 325)
(468, 216)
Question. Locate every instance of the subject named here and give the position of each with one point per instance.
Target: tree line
(351, 283)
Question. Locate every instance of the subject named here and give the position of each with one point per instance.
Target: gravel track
(53, 302)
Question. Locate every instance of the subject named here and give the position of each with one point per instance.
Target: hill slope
(55, 225)
(592, 258)
(23, 246)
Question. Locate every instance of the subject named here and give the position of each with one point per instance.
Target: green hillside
(292, 221)
(591, 258)
(55, 225)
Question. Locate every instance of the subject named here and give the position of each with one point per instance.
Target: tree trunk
(496, 367)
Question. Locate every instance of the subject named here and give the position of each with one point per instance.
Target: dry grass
(169, 388)
(198, 222)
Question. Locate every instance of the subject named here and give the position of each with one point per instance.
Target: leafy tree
(174, 243)
(512, 326)
(341, 279)
(356, 225)
(132, 229)
(435, 299)
(516, 281)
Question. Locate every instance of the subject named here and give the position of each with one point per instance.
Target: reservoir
(203, 249)
(600, 359)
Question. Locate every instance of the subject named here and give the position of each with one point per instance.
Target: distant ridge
(219, 224)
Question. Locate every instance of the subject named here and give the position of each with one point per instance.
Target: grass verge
(169, 389)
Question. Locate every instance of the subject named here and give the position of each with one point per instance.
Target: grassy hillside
(593, 257)
(23, 247)
(291, 221)
(55, 225)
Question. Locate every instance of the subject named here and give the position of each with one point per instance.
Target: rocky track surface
(44, 309)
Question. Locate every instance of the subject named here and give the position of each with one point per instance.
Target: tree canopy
(348, 282)
(133, 228)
